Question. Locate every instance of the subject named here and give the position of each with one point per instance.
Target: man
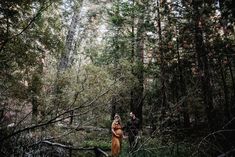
(132, 128)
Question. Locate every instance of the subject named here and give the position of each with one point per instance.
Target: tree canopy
(67, 67)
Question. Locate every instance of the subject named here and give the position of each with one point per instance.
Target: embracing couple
(131, 128)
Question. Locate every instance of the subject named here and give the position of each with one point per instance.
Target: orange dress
(116, 141)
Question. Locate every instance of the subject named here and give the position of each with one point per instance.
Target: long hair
(119, 118)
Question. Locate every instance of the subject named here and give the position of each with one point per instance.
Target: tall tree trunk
(226, 94)
(203, 66)
(132, 101)
(226, 10)
(182, 88)
(233, 89)
(36, 87)
(162, 66)
(137, 97)
(116, 58)
(67, 56)
(115, 75)
(232, 77)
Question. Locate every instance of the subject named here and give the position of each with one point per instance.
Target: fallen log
(98, 151)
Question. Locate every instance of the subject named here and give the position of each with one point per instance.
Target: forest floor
(160, 145)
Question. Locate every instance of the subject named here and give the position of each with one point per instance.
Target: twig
(73, 148)
(55, 119)
(226, 153)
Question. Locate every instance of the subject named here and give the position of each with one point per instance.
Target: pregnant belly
(119, 132)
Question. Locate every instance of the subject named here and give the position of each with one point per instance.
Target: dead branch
(226, 153)
(95, 149)
(57, 118)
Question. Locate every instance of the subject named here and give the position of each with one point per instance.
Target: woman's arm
(114, 133)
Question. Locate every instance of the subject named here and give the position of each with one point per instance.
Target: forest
(68, 67)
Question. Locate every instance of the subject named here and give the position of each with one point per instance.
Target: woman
(117, 135)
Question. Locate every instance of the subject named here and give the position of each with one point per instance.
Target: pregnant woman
(117, 135)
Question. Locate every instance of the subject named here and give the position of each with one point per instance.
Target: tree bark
(140, 76)
(36, 88)
(226, 94)
(137, 97)
(67, 56)
(132, 102)
(203, 66)
(182, 88)
(162, 64)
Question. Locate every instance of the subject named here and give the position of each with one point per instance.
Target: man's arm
(126, 128)
(138, 123)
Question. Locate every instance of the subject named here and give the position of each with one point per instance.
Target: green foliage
(22, 49)
(172, 80)
(100, 143)
(117, 20)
